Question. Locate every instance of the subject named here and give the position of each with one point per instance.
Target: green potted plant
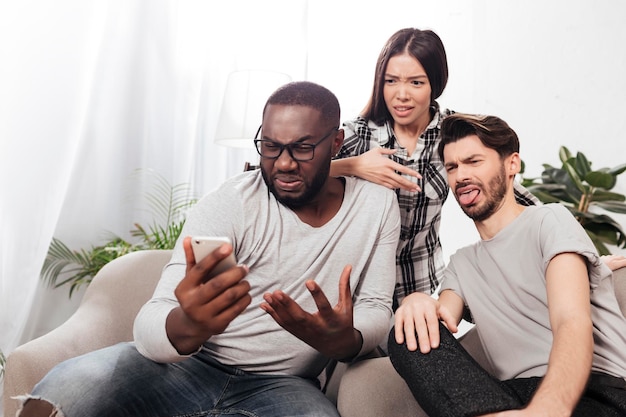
(3, 362)
(168, 205)
(586, 193)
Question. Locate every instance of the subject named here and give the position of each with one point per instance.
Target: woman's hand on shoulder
(614, 261)
(376, 167)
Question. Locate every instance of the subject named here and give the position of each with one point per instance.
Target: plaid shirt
(419, 258)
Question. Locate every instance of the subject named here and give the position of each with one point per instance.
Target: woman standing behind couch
(393, 143)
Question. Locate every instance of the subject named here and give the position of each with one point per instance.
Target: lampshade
(245, 95)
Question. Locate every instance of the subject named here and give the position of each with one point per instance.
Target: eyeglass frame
(289, 146)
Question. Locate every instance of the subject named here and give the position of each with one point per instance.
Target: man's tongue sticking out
(467, 195)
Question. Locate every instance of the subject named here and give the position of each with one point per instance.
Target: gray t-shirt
(282, 252)
(502, 281)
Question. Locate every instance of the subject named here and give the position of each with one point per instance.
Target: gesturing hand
(329, 330)
(207, 306)
(375, 167)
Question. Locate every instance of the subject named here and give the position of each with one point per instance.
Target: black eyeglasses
(298, 151)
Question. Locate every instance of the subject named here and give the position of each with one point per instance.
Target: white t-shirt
(502, 281)
(282, 252)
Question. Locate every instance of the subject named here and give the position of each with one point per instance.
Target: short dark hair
(423, 45)
(492, 131)
(309, 94)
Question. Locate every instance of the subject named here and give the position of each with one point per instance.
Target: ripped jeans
(119, 381)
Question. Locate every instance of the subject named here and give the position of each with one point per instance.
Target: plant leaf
(605, 227)
(544, 197)
(567, 190)
(564, 154)
(613, 206)
(600, 246)
(582, 165)
(617, 170)
(573, 175)
(600, 179)
(602, 195)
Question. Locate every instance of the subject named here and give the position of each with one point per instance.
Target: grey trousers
(447, 382)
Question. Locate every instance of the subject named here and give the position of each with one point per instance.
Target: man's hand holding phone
(209, 298)
(203, 246)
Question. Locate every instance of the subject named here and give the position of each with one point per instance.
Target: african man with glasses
(314, 284)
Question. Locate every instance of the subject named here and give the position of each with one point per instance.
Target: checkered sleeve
(523, 196)
(358, 138)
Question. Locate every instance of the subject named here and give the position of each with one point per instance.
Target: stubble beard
(497, 192)
(312, 189)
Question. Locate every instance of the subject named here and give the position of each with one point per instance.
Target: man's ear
(514, 164)
(338, 141)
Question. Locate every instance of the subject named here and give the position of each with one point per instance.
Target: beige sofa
(368, 388)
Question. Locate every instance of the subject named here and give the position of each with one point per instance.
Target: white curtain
(93, 90)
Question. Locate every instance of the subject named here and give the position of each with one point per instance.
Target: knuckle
(299, 318)
(237, 294)
(215, 284)
(246, 300)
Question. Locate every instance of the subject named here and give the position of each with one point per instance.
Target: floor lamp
(242, 107)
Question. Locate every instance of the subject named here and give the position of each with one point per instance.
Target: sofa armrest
(104, 317)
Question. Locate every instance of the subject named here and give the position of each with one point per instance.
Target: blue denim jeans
(118, 381)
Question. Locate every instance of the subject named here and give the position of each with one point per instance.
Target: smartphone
(203, 245)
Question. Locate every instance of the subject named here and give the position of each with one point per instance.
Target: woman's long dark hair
(423, 45)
